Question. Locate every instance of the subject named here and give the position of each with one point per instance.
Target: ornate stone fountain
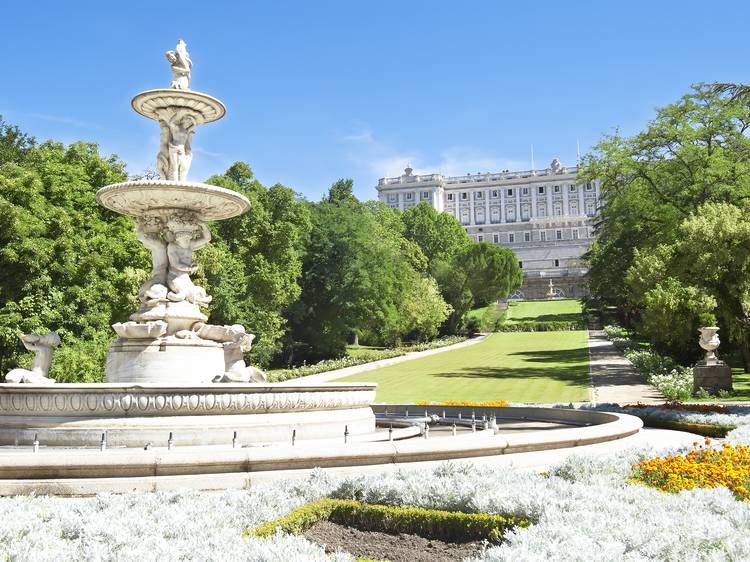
(168, 339)
(165, 373)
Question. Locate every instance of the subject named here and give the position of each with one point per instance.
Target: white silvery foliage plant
(584, 511)
(159, 526)
(737, 416)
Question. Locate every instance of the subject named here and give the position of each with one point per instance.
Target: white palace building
(545, 216)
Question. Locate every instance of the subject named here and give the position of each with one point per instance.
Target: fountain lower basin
(76, 415)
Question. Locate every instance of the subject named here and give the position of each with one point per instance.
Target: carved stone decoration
(556, 166)
(175, 152)
(709, 341)
(43, 347)
(181, 64)
(140, 330)
(236, 342)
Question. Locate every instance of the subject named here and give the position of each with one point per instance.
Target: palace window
(464, 196)
(540, 189)
(572, 188)
(478, 195)
(480, 237)
(557, 189)
(558, 234)
(409, 196)
(574, 207)
(511, 237)
(557, 263)
(557, 209)
(589, 187)
(496, 238)
(510, 213)
(575, 234)
(520, 264)
(464, 216)
(393, 198)
(524, 191)
(525, 212)
(450, 197)
(495, 194)
(541, 210)
(509, 193)
(590, 208)
(527, 236)
(543, 235)
(495, 214)
(425, 195)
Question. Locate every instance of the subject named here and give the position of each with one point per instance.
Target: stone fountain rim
(203, 189)
(104, 387)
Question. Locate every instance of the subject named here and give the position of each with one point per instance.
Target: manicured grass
(487, 315)
(564, 310)
(517, 367)
(359, 350)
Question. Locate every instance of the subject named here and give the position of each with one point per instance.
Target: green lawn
(563, 310)
(517, 367)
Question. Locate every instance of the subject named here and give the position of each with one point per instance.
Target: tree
(478, 274)
(694, 152)
(439, 235)
(66, 263)
(341, 191)
(253, 266)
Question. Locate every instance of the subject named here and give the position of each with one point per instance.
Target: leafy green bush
(429, 523)
(616, 332)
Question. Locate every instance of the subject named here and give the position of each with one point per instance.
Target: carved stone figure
(43, 347)
(181, 66)
(175, 152)
(236, 342)
(709, 341)
(185, 234)
(556, 166)
(149, 230)
(140, 330)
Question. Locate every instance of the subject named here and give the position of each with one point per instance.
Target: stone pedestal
(712, 377)
(166, 360)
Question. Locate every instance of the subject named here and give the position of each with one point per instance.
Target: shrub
(428, 523)
(548, 326)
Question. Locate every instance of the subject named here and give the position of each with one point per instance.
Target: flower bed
(727, 466)
(489, 404)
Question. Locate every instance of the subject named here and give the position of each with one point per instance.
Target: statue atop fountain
(168, 339)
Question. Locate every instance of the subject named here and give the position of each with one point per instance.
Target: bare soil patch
(383, 546)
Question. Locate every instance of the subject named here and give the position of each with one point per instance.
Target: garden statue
(184, 234)
(175, 153)
(43, 347)
(181, 66)
(556, 166)
(709, 341)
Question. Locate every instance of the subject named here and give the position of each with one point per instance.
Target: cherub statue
(181, 242)
(181, 66)
(43, 347)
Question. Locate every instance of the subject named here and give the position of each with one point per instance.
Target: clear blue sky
(321, 90)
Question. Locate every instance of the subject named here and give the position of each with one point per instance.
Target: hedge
(454, 526)
(550, 326)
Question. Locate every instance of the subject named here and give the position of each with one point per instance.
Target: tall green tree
(66, 263)
(478, 274)
(693, 152)
(439, 235)
(254, 263)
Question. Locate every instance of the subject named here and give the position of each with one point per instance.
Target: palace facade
(544, 216)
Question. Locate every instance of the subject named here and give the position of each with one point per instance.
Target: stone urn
(709, 341)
